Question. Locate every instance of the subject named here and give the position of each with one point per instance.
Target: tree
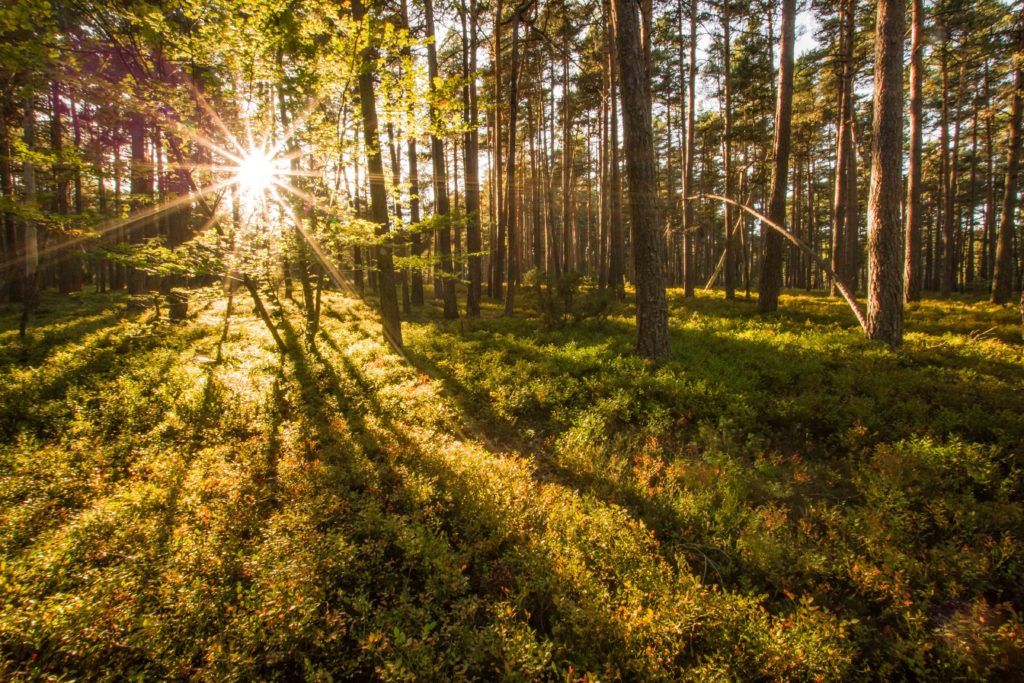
(689, 267)
(378, 191)
(508, 214)
(885, 281)
(912, 268)
(771, 265)
(1002, 278)
(651, 303)
(440, 184)
(471, 148)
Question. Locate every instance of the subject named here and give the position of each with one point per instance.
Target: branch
(800, 244)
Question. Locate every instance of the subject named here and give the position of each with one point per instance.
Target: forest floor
(782, 500)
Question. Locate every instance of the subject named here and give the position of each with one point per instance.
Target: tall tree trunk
(59, 207)
(844, 148)
(971, 265)
(651, 302)
(912, 267)
(731, 248)
(472, 164)
(10, 276)
(885, 281)
(949, 227)
(988, 261)
(441, 207)
(771, 265)
(509, 214)
(378, 192)
(616, 257)
(567, 156)
(689, 268)
(415, 239)
(1002, 277)
(142, 193)
(942, 240)
(30, 238)
(497, 261)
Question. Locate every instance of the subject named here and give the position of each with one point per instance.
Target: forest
(520, 340)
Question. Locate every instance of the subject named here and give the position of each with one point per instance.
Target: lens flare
(257, 173)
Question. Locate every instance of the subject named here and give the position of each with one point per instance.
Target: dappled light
(535, 341)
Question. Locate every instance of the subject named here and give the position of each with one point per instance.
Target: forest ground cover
(780, 500)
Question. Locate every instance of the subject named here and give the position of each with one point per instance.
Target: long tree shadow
(857, 392)
(504, 559)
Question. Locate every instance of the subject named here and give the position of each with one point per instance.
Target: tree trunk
(689, 268)
(30, 239)
(567, 154)
(616, 259)
(912, 267)
(472, 167)
(771, 265)
(844, 147)
(508, 217)
(949, 228)
(885, 282)
(730, 241)
(142, 193)
(497, 262)
(378, 192)
(1002, 277)
(652, 306)
(441, 207)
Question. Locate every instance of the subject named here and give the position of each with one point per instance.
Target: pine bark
(378, 192)
(771, 266)
(508, 217)
(689, 267)
(885, 281)
(472, 172)
(912, 267)
(440, 185)
(652, 306)
(1002, 277)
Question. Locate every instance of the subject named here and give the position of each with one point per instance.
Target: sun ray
(109, 226)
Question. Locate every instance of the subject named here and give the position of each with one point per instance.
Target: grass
(782, 500)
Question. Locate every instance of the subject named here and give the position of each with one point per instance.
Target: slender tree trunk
(971, 266)
(1002, 277)
(567, 155)
(844, 147)
(441, 207)
(988, 262)
(885, 282)
(616, 259)
(30, 240)
(378, 192)
(11, 255)
(942, 240)
(142, 193)
(952, 178)
(498, 240)
(771, 265)
(472, 163)
(689, 268)
(912, 267)
(731, 247)
(509, 215)
(652, 307)
(60, 189)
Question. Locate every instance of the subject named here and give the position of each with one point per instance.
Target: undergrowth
(513, 500)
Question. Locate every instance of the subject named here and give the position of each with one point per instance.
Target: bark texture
(885, 273)
(651, 303)
(771, 266)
